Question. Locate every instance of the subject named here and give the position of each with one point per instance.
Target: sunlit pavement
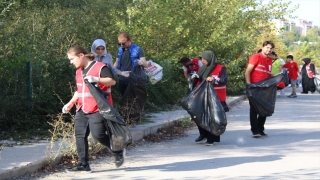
(291, 150)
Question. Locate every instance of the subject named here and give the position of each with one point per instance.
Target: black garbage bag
(138, 76)
(205, 108)
(317, 84)
(120, 136)
(135, 96)
(285, 78)
(263, 95)
(191, 83)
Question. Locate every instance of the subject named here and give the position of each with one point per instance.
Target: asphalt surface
(17, 161)
(290, 151)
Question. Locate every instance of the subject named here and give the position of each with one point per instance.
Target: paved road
(291, 151)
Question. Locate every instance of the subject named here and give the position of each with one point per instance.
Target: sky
(308, 10)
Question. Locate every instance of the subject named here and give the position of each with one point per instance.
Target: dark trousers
(257, 122)
(84, 123)
(210, 137)
(205, 133)
(308, 84)
(123, 86)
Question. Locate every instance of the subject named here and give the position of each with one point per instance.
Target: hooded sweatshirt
(104, 57)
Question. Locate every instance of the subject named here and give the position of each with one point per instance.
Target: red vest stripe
(309, 72)
(221, 90)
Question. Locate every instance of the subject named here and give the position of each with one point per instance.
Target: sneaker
(290, 95)
(209, 143)
(119, 158)
(293, 95)
(79, 167)
(200, 139)
(263, 134)
(256, 135)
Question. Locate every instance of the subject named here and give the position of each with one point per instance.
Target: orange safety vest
(221, 90)
(309, 72)
(86, 101)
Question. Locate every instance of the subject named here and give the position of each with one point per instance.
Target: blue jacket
(134, 54)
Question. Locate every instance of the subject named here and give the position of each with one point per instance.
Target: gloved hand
(139, 62)
(125, 73)
(216, 79)
(66, 108)
(92, 79)
(194, 76)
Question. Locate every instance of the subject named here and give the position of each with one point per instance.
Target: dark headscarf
(205, 71)
(306, 60)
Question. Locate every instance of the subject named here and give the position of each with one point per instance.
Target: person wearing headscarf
(99, 49)
(217, 74)
(308, 73)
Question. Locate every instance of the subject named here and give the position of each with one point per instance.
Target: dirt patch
(177, 130)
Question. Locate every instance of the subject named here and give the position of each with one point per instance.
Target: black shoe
(200, 139)
(263, 134)
(293, 95)
(80, 167)
(256, 135)
(119, 158)
(209, 143)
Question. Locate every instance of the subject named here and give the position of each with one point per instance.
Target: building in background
(299, 24)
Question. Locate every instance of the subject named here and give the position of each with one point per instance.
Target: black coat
(307, 83)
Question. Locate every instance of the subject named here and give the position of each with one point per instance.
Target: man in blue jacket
(129, 54)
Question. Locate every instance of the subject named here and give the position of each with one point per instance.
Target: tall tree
(289, 37)
(304, 51)
(312, 35)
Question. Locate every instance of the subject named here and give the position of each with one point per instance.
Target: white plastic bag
(154, 71)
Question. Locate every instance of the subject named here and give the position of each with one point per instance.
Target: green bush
(42, 31)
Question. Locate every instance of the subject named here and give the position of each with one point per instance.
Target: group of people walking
(304, 75)
(207, 68)
(261, 66)
(98, 67)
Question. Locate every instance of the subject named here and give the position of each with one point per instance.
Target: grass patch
(175, 130)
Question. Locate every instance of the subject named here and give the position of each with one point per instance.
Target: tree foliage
(280, 48)
(289, 37)
(313, 35)
(42, 31)
(306, 50)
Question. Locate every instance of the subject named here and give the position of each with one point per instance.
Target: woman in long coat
(308, 74)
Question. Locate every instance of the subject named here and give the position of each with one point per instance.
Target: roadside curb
(137, 133)
(235, 101)
(31, 167)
